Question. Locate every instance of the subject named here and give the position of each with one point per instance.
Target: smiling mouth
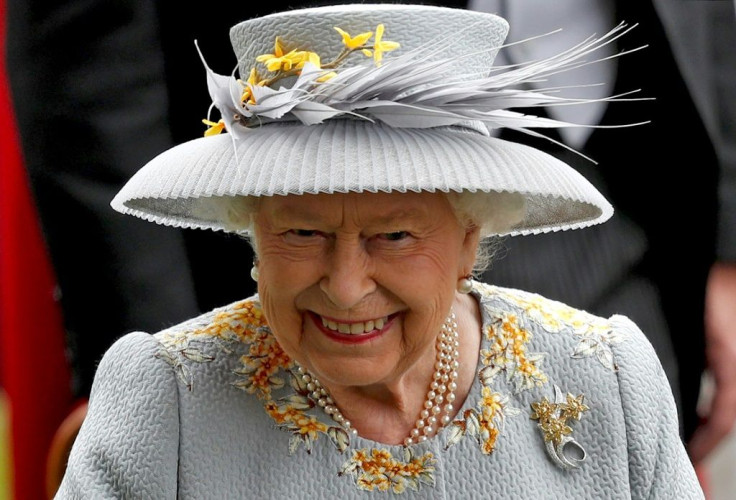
(353, 327)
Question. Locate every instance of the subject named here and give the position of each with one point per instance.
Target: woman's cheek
(284, 319)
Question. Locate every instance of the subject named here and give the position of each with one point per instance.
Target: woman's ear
(469, 250)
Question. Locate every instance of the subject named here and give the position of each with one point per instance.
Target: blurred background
(90, 90)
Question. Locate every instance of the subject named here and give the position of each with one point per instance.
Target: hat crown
(471, 38)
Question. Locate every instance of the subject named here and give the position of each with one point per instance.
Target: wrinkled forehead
(338, 209)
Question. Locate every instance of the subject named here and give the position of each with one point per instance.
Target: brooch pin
(552, 420)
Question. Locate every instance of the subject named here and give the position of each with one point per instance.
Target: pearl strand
(438, 404)
(324, 400)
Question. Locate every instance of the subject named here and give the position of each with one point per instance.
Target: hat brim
(357, 156)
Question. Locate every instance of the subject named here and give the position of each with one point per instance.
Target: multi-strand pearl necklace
(438, 405)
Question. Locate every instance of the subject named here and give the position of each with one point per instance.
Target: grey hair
(493, 213)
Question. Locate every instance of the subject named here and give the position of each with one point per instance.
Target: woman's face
(356, 286)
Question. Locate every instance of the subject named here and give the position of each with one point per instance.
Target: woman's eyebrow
(308, 216)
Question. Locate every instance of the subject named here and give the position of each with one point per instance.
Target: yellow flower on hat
(247, 92)
(304, 56)
(214, 128)
(379, 46)
(278, 60)
(355, 42)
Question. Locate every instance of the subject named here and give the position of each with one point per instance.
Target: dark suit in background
(646, 262)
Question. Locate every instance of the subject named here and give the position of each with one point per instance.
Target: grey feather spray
(412, 90)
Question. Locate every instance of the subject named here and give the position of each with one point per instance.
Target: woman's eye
(395, 236)
(302, 237)
(305, 233)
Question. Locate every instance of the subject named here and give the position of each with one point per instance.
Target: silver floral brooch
(553, 419)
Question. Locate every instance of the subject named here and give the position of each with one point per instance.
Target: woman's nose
(348, 278)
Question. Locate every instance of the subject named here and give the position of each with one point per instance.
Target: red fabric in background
(33, 367)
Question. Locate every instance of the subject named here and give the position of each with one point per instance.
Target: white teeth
(355, 328)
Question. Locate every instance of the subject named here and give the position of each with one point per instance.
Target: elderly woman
(363, 172)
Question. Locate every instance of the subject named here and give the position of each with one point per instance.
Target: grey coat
(210, 409)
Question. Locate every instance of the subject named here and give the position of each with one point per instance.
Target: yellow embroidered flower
(379, 459)
(214, 128)
(483, 424)
(527, 368)
(490, 403)
(596, 335)
(379, 46)
(282, 416)
(379, 471)
(487, 357)
(260, 366)
(509, 352)
(399, 487)
(489, 443)
(492, 407)
(355, 42)
(242, 322)
(555, 316)
(360, 456)
(518, 349)
(309, 426)
(372, 483)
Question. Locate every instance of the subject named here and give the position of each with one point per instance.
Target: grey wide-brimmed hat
(370, 98)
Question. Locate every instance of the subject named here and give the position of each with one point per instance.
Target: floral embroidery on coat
(596, 335)
(242, 322)
(484, 423)
(264, 369)
(290, 414)
(267, 372)
(378, 470)
(508, 352)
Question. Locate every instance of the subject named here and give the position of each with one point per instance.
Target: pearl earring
(464, 285)
(254, 272)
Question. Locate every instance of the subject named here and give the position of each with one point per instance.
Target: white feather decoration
(410, 91)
